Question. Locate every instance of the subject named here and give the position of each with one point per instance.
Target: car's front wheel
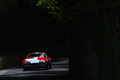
(50, 64)
(47, 67)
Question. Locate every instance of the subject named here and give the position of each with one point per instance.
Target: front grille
(36, 63)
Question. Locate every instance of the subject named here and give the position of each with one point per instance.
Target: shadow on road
(59, 71)
(37, 78)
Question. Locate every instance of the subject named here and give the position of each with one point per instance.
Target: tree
(98, 21)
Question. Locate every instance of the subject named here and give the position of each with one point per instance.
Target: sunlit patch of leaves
(49, 5)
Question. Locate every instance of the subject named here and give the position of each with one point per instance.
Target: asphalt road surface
(59, 71)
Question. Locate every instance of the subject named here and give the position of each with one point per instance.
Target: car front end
(35, 62)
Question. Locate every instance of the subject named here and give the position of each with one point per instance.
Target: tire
(46, 67)
(50, 66)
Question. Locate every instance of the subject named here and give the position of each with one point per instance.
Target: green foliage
(49, 5)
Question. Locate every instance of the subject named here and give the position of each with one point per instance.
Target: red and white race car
(37, 60)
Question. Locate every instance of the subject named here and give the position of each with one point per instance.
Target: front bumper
(35, 65)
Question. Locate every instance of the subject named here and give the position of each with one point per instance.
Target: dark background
(89, 28)
(26, 26)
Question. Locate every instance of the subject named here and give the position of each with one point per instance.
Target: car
(37, 60)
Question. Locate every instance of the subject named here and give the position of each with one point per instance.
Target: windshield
(35, 55)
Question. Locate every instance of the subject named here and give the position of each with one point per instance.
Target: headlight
(42, 61)
(27, 62)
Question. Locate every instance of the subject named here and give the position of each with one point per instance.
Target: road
(60, 70)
